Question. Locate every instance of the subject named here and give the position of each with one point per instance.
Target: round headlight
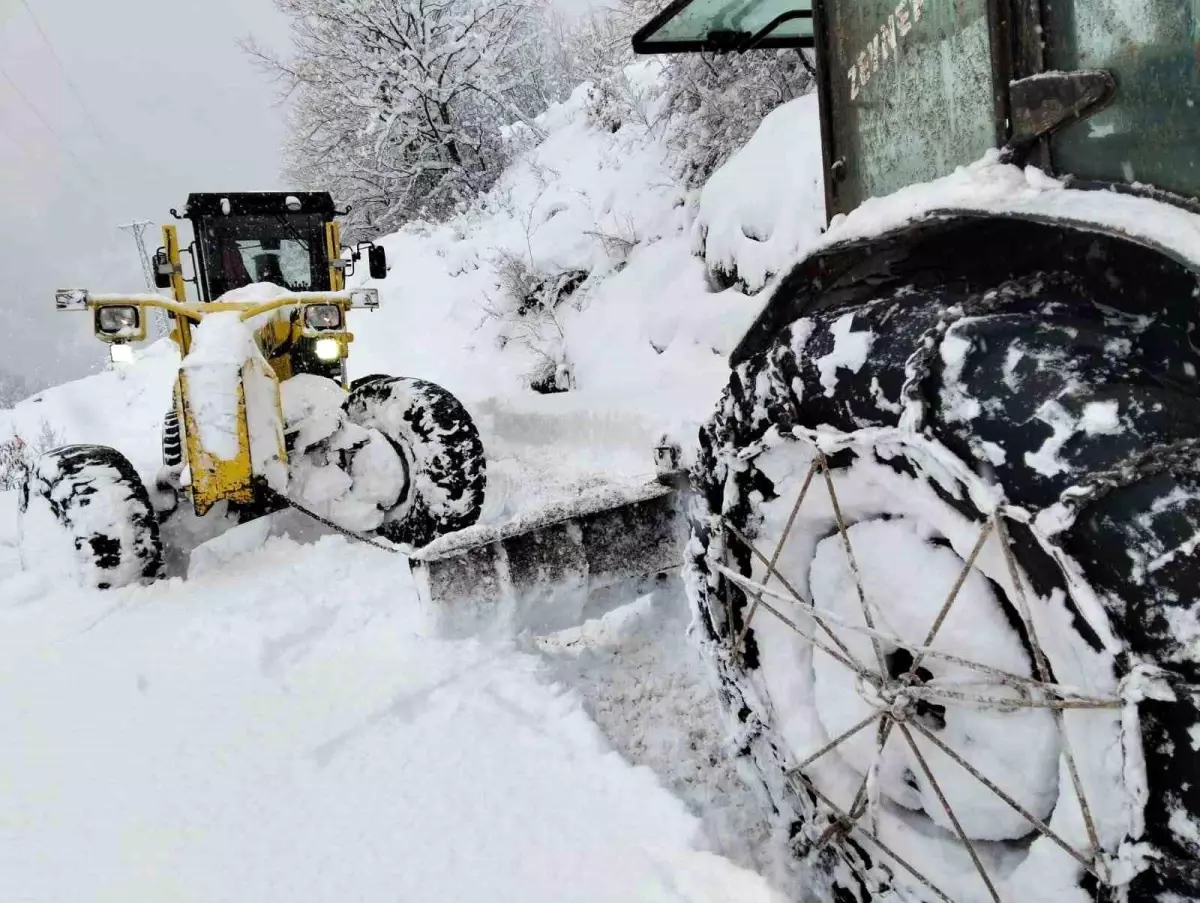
(328, 349)
(323, 316)
(117, 319)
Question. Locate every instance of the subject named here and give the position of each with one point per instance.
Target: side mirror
(377, 262)
(162, 270)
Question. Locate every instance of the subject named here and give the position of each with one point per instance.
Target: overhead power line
(64, 143)
(87, 113)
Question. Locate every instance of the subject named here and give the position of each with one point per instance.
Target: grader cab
(1104, 91)
(291, 241)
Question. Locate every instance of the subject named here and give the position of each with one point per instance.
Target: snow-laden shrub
(530, 310)
(17, 454)
(595, 50)
(14, 462)
(582, 49)
(711, 103)
(716, 102)
(398, 106)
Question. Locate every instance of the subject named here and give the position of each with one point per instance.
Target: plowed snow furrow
(276, 727)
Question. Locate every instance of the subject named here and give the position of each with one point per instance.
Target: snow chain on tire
(944, 558)
(272, 496)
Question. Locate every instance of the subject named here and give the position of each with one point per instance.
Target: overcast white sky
(118, 112)
(169, 105)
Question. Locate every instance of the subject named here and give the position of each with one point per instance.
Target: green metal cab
(1106, 92)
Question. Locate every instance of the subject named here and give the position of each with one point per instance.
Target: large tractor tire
(84, 511)
(442, 453)
(944, 563)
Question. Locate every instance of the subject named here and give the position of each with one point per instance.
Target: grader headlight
(323, 317)
(118, 321)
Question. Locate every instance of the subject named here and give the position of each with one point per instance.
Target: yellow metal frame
(195, 312)
(214, 479)
(333, 251)
(182, 333)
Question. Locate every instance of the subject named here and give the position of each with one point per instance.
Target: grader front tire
(447, 470)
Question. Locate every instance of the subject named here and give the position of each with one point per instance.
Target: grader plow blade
(555, 568)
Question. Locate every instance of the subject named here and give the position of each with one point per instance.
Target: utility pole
(159, 317)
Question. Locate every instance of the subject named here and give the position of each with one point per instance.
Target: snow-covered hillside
(645, 336)
(278, 725)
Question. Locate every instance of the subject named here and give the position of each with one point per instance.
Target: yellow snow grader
(265, 416)
(945, 554)
(263, 412)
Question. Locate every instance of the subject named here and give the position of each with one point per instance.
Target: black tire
(172, 440)
(364, 380)
(447, 472)
(923, 421)
(86, 502)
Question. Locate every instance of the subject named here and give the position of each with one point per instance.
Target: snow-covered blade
(554, 568)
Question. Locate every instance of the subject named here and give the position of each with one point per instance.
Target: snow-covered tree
(13, 388)
(712, 103)
(716, 101)
(589, 48)
(398, 105)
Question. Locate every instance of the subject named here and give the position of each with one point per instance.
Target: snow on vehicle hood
(990, 186)
(223, 359)
(256, 292)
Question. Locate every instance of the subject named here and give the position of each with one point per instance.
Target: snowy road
(278, 729)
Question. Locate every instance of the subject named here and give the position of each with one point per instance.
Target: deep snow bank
(277, 729)
(122, 407)
(764, 208)
(645, 336)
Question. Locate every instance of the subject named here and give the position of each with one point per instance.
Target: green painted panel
(911, 91)
(1151, 133)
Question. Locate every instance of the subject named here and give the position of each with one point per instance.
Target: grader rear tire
(84, 511)
(1023, 444)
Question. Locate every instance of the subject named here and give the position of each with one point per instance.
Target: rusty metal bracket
(1043, 103)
